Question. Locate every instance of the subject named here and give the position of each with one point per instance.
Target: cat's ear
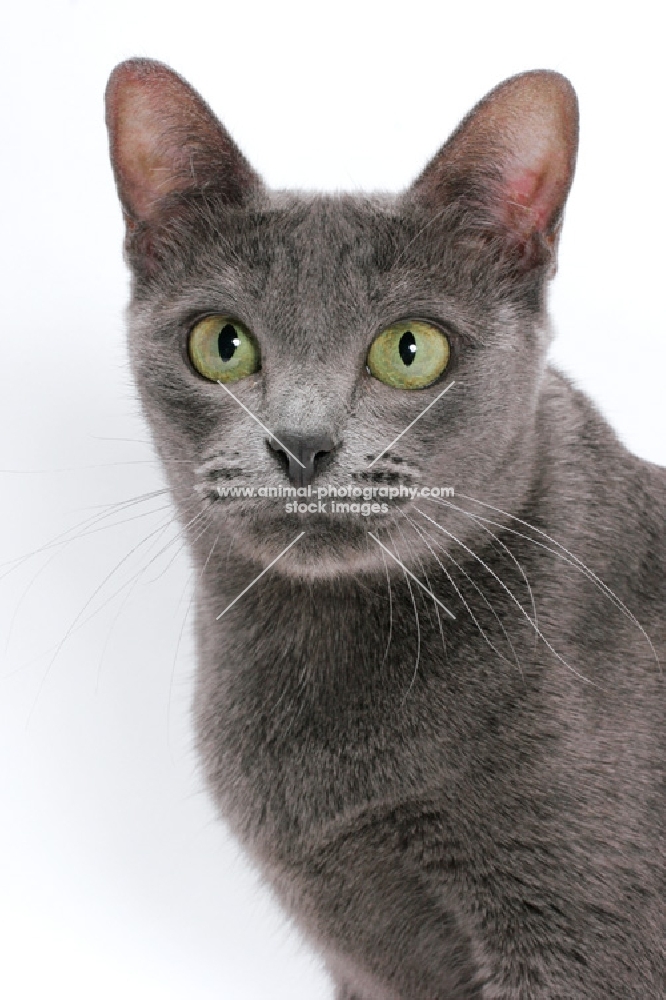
(513, 156)
(165, 139)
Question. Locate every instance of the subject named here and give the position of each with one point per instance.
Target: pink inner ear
(147, 174)
(516, 152)
(540, 132)
(150, 112)
(164, 139)
(533, 198)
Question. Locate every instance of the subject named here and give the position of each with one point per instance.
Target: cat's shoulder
(573, 417)
(616, 499)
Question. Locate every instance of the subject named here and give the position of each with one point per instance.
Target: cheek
(488, 412)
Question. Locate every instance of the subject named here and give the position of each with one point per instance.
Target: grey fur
(468, 808)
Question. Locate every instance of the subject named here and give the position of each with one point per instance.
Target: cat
(436, 725)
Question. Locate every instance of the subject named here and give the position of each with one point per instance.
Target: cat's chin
(314, 547)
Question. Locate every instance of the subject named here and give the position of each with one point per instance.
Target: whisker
(137, 576)
(61, 538)
(182, 627)
(511, 595)
(84, 622)
(51, 558)
(478, 519)
(390, 598)
(179, 534)
(460, 595)
(142, 441)
(131, 500)
(134, 582)
(591, 575)
(425, 573)
(488, 605)
(160, 530)
(94, 465)
(24, 594)
(418, 626)
(86, 605)
(175, 655)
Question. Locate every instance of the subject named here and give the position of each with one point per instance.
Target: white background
(116, 880)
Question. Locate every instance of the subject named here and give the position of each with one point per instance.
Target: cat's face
(311, 283)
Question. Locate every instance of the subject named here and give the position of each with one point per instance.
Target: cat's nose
(301, 453)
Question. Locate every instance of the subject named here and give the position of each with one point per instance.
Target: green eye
(409, 355)
(222, 350)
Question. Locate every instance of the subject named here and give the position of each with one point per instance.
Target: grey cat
(438, 729)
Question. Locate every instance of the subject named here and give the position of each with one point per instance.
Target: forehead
(316, 238)
(321, 266)
(317, 262)
(305, 252)
(356, 255)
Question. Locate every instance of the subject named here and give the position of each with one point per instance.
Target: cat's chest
(295, 736)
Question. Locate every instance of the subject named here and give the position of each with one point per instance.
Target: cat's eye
(222, 350)
(409, 355)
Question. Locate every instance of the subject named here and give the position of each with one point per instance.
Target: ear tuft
(516, 151)
(164, 138)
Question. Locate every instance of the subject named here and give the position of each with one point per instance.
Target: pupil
(227, 342)
(407, 347)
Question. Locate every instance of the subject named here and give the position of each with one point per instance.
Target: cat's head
(332, 322)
